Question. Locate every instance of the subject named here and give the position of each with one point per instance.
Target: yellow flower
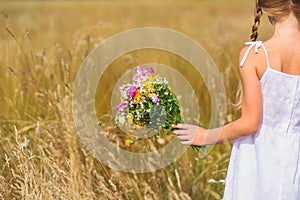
(128, 142)
(137, 97)
(152, 90)
(151, 78)
(130, 119)
(136, 126)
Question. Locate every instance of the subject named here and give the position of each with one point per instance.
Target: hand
(190, 134)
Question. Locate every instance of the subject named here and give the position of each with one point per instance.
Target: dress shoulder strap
(256, 45)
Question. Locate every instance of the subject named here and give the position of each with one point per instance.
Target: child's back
(266, 165)
(284, 55)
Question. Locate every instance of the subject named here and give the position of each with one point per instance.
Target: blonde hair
(276, 10)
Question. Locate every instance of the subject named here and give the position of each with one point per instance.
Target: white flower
(121, 119)
(152, 95)
(143, 90)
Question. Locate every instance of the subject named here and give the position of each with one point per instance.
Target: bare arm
(251, 112)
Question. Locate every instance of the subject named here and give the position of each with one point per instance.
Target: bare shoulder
(254, 61)
(243, 52)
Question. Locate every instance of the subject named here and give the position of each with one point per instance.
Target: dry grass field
(43, 44)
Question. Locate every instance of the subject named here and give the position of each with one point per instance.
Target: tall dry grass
(42, 47)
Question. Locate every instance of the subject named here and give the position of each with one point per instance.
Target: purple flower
(151, 71)
(137, 79)
(155, 99)
(132, 91)
(142, 74)
(121, 107)
(143, 71)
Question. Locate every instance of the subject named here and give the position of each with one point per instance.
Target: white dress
(265, 166)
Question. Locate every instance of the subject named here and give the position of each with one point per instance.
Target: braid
(258, 14)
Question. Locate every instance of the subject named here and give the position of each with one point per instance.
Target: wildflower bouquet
(148, 103)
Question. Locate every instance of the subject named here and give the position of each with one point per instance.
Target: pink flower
(132, 91)
(151, 71)
(121, 107)
(143, 71)
(155, 99)
(137, 79)
(142, 74)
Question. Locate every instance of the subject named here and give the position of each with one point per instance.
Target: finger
(176, 132)
(180, 126)
(175, 125)
(185, 137)
(181, 132)
(188, 131)
(186, 142)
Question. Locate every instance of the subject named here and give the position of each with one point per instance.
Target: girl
(264, 162)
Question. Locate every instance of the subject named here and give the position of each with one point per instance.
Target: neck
(288, 28)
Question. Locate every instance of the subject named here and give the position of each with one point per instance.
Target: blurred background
(43, 44)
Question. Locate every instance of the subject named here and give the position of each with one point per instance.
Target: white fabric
(256, 46)
(265, 166)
